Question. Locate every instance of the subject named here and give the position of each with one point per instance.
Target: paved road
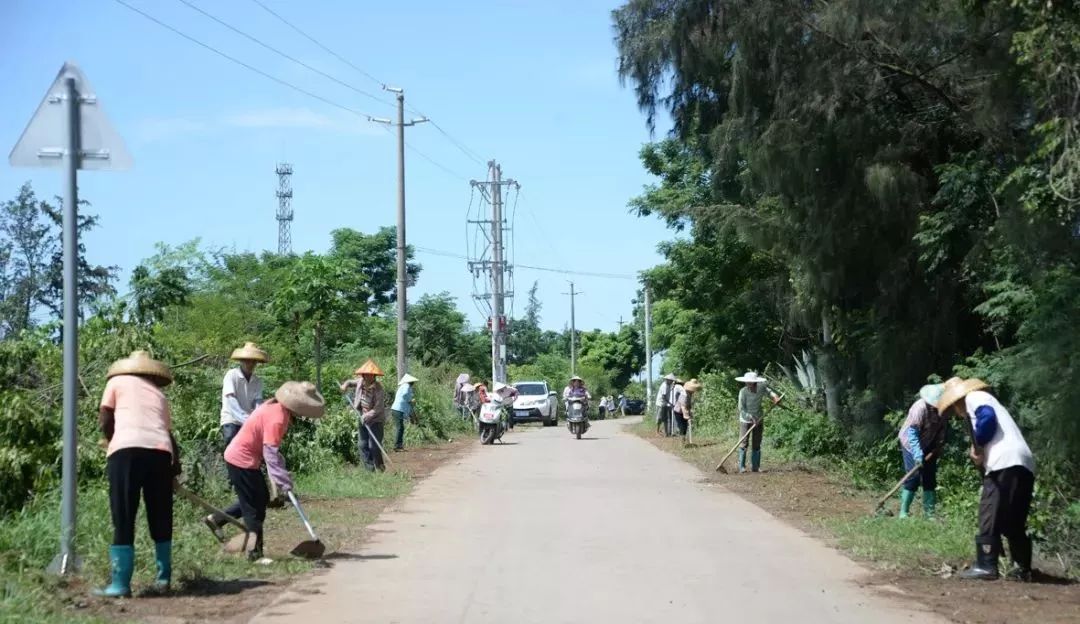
(606, 529)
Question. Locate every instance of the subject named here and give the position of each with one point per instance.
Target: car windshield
(531, 389)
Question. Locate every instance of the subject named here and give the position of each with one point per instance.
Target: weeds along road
(607, 529)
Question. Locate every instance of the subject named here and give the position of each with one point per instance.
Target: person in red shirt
(258, 441)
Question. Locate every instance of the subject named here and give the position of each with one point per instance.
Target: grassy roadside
(340, 501)
(913, 557)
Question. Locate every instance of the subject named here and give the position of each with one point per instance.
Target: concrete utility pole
(648, 346)
(573, 330)
(402, 268)
(497, 266)
(498, 291)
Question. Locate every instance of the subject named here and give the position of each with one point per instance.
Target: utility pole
(648, 346)
(620, 323)
(497, 266)
(573, 330)
(284, 211)
(402, 268)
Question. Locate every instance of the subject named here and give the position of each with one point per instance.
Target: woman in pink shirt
(142, 459)
(259, 440)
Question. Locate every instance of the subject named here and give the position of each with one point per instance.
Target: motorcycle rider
(576, 389)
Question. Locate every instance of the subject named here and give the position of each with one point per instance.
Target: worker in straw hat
(683, 407)
(402, 409)
(241, 390)
(1000, 450)
(663, 403)
(755, 388)
(259, 441)
(143, 458)
(369, 399)
(922, 436)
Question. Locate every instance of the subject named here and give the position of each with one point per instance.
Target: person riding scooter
(576, 392)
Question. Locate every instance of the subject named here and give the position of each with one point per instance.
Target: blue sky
(529, 83)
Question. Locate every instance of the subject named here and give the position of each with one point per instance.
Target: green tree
(437, 329)
(375, 257)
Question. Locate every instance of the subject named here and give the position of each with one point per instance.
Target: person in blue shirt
(402, 408)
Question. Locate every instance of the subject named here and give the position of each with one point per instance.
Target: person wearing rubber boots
(369, 399)
(259, 443)
(143, 459)
(754, 389)
(402, 409)
(999, 449)
(922, 436)
(241, 390)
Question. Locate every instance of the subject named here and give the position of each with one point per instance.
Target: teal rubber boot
(755, 461)
(906, 497)
(929, 503)
(122, 559)
(163, 557)
(742, 460)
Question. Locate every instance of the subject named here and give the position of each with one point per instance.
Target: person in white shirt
(241, 390)
(1000, 450)
(663, 404)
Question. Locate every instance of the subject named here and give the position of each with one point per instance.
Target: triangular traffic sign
(44, 141)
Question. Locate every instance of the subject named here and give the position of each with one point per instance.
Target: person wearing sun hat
(258, 443)
(754, 389)
(402, 408)
(241, 390)
(922, 436)
(369, 399)
(143, 459)
(999, 448)
(683, 408)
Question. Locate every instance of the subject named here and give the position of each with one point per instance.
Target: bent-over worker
(922, 436)
(143, 458)
(752, 416)
(684, 405)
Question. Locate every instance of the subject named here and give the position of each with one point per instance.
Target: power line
(450, 254)
(242, 63)
(283, 54)
(431, 160)
(316, 42)
(472, 155)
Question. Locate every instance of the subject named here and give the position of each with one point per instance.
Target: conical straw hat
(692, 386)
(301, 398)
(249, 352)
(140, 363)
(407, 379)
(370, 368)
(956, 389)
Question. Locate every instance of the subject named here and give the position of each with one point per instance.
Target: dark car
(635, 407)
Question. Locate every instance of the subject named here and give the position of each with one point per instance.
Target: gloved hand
(917, 455)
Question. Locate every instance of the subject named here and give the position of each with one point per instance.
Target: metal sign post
(69, 129)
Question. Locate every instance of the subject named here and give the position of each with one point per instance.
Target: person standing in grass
(663, 404)
(999, 449)
(922, 436)
(751, 416)
(369, 400)
(143, 459)
(402, 409)
(241, 390)
(258, 442)
(684, 408)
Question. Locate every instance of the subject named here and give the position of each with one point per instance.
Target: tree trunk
(318, 355)
(828, 369)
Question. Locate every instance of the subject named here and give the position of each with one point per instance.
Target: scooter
(576, 419)
(492, 422)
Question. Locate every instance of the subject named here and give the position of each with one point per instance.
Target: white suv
(535, 401)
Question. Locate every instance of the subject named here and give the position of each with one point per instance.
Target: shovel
(308, 549)
(881, 503)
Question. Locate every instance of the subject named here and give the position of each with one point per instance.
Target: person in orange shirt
(258, 441)
(142, 460)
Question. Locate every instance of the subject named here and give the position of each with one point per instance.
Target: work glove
(918, 457)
